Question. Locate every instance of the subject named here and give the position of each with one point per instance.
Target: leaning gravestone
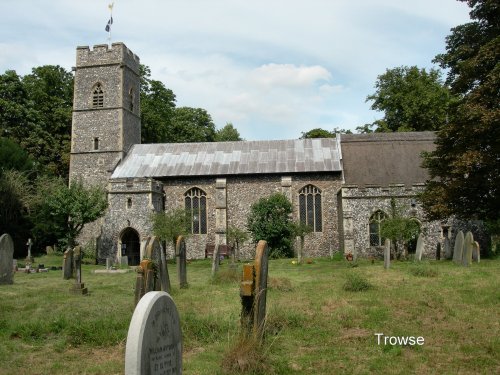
(154, 251)
(476, 255)
(458, 248)
(420, 247)
(448, 254)
(6, 254)
(68, 264)
(387, 253)
(180, 254)
(467, 255)
(154, 339)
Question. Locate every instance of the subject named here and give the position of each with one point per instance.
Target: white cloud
(288, 76)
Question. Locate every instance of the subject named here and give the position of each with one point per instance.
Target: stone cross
(6, 259)
(387, 253)
(458, 248)
(78, 286)
(68, 264)
(420, 247)
(180, 254)
(253, 292)
(154, 339)
(468, 244)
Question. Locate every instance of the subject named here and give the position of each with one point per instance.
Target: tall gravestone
(458, 248)
(448, 253)
(180, 254)
(68, 264)
(154, 339)
(154, 251)
(215, 260)
(476, 254)
(78, 287)
(420, 247)
(467, 255)
(387, 253)
(6, 257)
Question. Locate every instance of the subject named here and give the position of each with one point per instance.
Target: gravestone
(109, 263)
(154, 339)
(420, 247)
(180, 254)
(68, 264)
(6, 257)
(467, 255)
(29, 257)
(458, 248)
(476, 254)
(253, 292)
(448, 254)
(215, 260)
(154, 251)
(438, 251)
(78, 287)
(387, 253)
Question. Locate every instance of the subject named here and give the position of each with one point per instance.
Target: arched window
(375, 225)
(97, 96)
(195, 201)
(310, 210)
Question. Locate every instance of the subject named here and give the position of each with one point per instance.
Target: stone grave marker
(438, 251)
(448, 254)
(467, 255)
(68, 264)
(154, 339)
(420, 247)
(78, 287)
(476, 254)
(180, 254)
(387, 253)
(6, 259)
(215, 260)
(29, 257)
(109, 263)
(458, 248)
(154, 251)
(253, 292)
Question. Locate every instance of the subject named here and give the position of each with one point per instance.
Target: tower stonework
(106, 111)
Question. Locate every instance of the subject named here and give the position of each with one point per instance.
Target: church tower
(106, 113)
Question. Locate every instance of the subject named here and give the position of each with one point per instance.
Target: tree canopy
(227, 134)
(412, 99)
(465, 167)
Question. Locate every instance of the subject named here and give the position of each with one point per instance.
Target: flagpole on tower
(110, 21)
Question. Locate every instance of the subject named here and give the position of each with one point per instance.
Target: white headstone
(6, 254)
(154, 340)
(467, 253)
(420, 247)
(387, 253)
(458, 248)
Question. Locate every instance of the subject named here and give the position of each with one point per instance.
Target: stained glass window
(310, 208)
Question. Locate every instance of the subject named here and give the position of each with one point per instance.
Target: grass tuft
(247, 357)
(356, 283)
(423, 270)
(281, 284)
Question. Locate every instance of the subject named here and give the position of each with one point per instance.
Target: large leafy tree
(192, 125)
(465, 167)
(412, 99)
(227, 134)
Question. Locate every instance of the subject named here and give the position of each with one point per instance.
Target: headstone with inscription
(180, 254)
(155, 252)
(154, 339)
(420, 247)
(68, 264)
(387, 253)
(467, 255)
(6, 257)
(458, 248)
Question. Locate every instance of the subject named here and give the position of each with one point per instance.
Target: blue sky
(273, 68)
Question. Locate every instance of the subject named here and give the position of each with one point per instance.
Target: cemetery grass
(314, 324)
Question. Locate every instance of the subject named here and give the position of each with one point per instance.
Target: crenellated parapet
(103, 54)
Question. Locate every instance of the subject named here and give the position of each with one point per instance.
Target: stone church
(341, 187)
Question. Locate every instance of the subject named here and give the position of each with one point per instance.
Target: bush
(356, 283)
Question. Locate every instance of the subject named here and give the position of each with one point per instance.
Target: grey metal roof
(230, 158)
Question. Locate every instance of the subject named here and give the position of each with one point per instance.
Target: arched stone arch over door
(130, 246)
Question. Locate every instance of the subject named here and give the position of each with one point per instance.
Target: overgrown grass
(314, 325)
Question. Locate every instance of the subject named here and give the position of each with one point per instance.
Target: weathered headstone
(215, 260)
(438, 251)
(154, 251)
(68, 264)
(180, 254)
(253, 292)
(6, 254)
(29, 257)
(154, 339)
(420, 247)
(467, 255)
(78, 287)
(387, 253)
(109, 263)
(448, 254)
(476, 254)
(458, 248)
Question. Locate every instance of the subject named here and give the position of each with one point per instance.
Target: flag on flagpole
(110, 21)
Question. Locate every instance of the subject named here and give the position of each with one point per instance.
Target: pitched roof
(230, 158)
(385, 158)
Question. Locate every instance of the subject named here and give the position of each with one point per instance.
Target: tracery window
(97, 96)
(310, 209)
(195, 201)
(375, 226)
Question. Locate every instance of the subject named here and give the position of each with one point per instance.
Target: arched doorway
(131, 246)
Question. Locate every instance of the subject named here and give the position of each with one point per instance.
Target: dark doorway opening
(131, 246)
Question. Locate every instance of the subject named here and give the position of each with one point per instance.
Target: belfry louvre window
(97, 96)
(195, 201)
(310, 209)
(375, 224)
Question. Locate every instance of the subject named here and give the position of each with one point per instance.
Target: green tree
(192, 125)
(169, 225)
(465, 167)
(301, 230)
(317, 133)
(236, 237)
(64, 209)
(412, 99)
(227, 134)
(270, 220)
(13, 157)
